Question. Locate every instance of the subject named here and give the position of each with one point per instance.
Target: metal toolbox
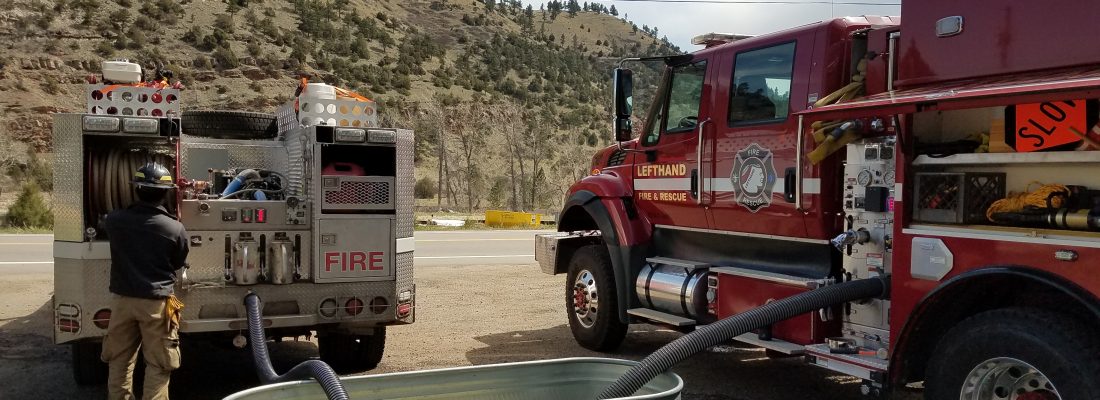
(956, 197)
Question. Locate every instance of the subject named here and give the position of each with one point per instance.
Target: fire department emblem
(753, 176)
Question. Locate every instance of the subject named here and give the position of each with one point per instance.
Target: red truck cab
(842, 150)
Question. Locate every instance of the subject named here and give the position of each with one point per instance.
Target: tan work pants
(141, 322)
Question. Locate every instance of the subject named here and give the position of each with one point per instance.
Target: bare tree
(472, 139)
(510, 119)
(541, 126)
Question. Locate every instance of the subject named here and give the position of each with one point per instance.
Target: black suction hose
(314, 369)
(718, 332)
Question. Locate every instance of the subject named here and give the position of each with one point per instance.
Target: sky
(683, 21)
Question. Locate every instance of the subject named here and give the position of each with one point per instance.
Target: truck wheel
(591, 301)
(1015, 353)
(352, 353)
(229, 124)
(88, 369)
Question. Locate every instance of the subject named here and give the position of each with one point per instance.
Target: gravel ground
(468, 315)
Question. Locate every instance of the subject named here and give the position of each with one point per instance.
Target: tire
(352, 353)
(1015, 349)
(88, 369)
(599, 330)
(229, 124)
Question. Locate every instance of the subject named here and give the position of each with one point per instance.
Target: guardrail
(494, 218)
(511, 218)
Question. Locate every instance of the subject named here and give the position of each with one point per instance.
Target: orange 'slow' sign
(1045, 125)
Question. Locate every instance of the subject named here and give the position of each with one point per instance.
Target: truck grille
(357, 193)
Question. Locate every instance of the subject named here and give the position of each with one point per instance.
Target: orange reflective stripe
(341, 92)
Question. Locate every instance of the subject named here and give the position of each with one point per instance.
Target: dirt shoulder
(467, 315)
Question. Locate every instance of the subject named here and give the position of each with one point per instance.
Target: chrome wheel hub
(585, 299)
(1007, 378)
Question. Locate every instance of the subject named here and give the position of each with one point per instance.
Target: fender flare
(624, 246)
(923, 314)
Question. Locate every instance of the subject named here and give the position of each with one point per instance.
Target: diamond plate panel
(299, 152)
(265, 154)
(286, 116)
(404, 198)
(405, 279)
(404, 271)
(126, 100)
(207, 261)
(68, 178)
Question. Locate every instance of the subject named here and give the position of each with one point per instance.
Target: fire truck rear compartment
(108, 164)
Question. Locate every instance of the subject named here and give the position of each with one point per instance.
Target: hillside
(448, 66)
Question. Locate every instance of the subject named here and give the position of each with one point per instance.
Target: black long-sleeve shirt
(148, 245)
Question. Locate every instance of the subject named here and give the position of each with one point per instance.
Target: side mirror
(624, 104)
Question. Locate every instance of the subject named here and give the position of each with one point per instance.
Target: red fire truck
(950, 152)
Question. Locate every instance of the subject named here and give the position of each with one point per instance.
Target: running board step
(781, 346)
(692, 265)
(866, 367)
(657, 316)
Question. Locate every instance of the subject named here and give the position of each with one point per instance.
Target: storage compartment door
(352, 250)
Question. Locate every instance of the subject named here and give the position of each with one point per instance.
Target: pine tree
(528, 19)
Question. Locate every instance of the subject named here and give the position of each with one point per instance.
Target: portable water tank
(121, 71)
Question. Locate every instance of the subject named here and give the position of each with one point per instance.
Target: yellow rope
(1016, 202)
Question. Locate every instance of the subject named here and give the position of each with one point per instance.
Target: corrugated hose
(311, 369)
(718, 332)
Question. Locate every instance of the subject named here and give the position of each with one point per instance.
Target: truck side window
(685, 93)
(761, 87)
(681, 93)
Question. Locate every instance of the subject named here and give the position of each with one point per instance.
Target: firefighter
(148, 246)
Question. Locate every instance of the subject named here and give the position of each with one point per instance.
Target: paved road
(21, 254)
(26, 254)
(439, 248)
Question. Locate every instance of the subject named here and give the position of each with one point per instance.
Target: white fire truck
(306, 208)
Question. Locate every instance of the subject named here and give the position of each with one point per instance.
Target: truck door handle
(790, 182)
(697, 178)
(695, 183)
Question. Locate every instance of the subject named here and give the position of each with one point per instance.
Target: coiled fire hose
(831, 136)
(718, 332)
(311, 369)
(108, 174)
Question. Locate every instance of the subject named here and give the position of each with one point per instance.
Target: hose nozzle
(858, 236)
